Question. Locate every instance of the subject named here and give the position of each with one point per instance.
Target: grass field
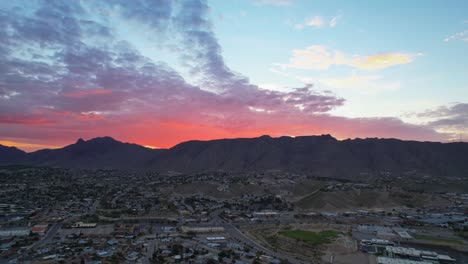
(310, 237)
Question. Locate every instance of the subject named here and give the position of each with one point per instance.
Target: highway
(48, 236)
(236, 233)
(44, 241)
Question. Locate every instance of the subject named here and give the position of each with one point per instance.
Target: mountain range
(319, 155)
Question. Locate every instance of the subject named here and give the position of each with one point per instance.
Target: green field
(310, 237)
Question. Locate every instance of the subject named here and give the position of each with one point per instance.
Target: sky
(161, 72)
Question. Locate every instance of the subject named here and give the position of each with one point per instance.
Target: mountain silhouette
(319, 155)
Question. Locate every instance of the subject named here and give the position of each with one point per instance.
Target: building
(84, 225)
(216, 239)
(387, 260)
(17, 231)
(40, 228)
(374, 246)
(125, 229)
(415, 254)
(265, 214)
(205, 229)
(404, 235)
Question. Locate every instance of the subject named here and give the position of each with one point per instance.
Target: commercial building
(216, 239)
(415, 254)
(374, 246)
(84, 225)
(207, 229)
(387, 260)
(18, 231)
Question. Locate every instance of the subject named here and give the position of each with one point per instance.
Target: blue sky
(268, 31)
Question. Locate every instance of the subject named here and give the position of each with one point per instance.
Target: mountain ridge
(321, 155)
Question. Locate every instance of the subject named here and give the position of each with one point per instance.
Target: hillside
(11, 155)
(322, 155)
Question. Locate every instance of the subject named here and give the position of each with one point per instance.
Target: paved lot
(99, 230)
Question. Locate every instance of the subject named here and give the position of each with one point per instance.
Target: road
(93, 209)
(48, 236)
(236, 233)
(44, 241)
(149, 252)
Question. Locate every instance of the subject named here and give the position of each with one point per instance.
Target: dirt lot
(344, 251)
(350, 258)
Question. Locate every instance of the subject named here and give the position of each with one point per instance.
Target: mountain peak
(97, 140)
(327, 136)
(103, 139)
(10, 148)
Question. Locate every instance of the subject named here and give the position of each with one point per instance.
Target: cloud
(318, 57)
(380, 61)
(23, 119)
(451, 119)
(319, 22)
(462, 35)
(66, 72)
(448, 115)
(447, 111)
(82, 82)
(334, 21)
(316, 21)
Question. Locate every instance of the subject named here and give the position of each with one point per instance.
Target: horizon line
(25, 145)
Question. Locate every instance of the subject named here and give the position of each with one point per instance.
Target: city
(109, 216)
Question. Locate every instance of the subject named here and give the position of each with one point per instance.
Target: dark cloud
(452, 118)
(74, 66)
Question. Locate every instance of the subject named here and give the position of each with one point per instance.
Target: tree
(222, 255)
(177, 249)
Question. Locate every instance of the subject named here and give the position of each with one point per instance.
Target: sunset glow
(160, 73)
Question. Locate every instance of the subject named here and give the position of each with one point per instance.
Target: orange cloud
(380, 61)
(85, 93)
(318, 57)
